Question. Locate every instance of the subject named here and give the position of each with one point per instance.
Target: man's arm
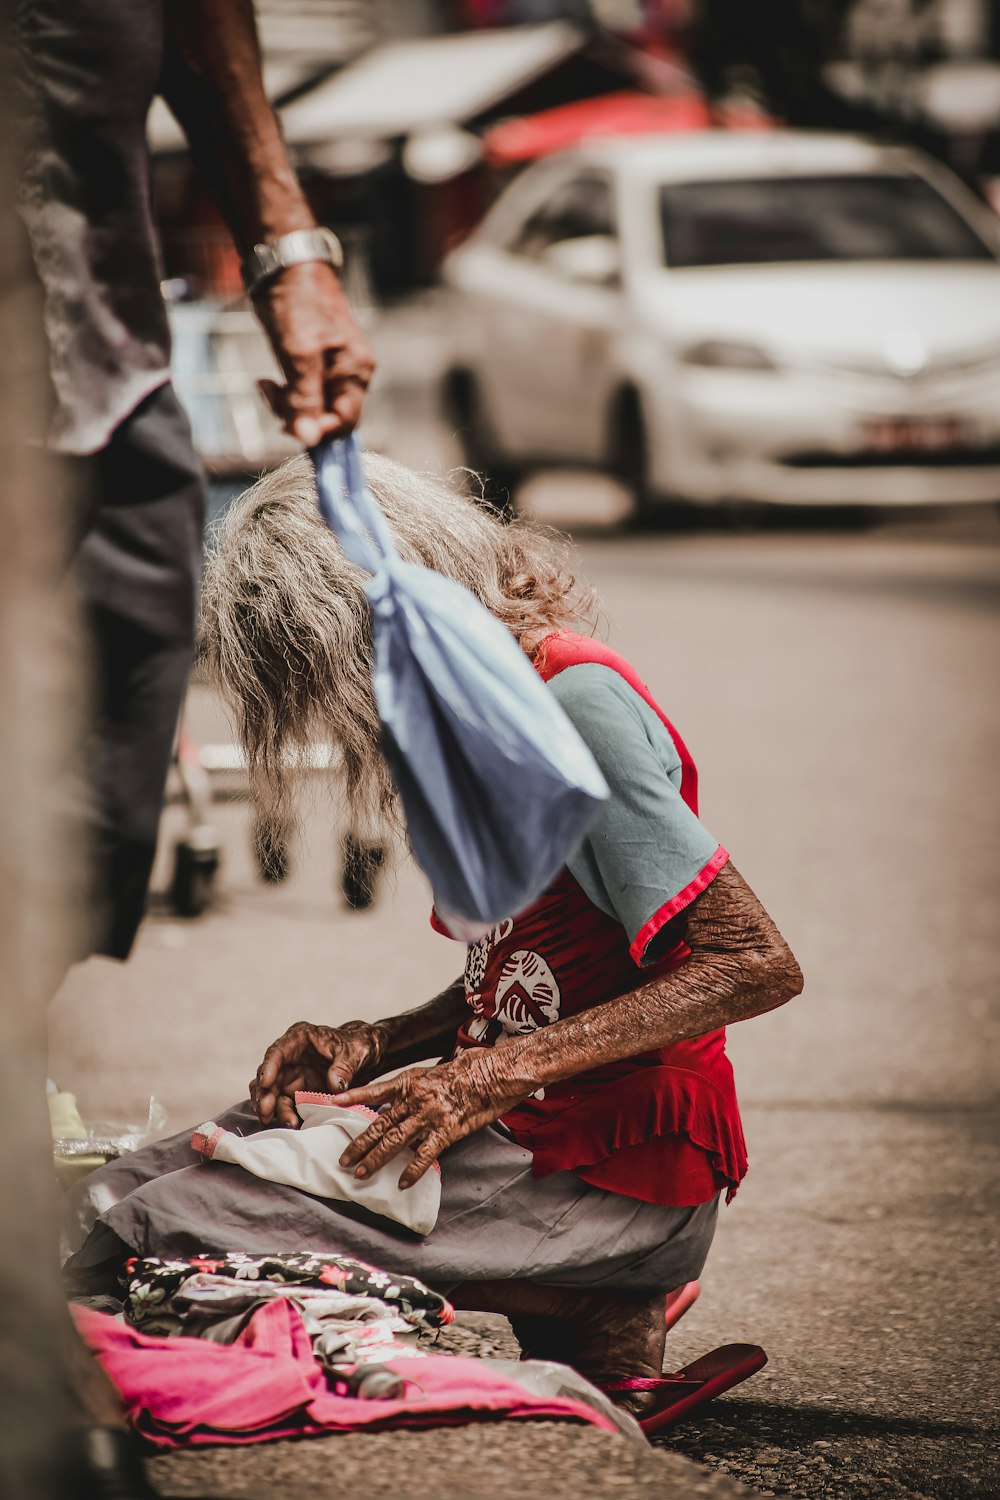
(212, 81)
(740, 966)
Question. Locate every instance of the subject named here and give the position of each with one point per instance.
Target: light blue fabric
(646, 845)
(496, 785)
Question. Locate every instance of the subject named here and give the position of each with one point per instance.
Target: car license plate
(916, 434)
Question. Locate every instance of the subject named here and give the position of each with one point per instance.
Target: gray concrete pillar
(37, 686)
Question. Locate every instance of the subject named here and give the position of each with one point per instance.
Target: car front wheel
(631, 458)
(630, 461)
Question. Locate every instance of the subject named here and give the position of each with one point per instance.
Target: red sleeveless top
(663, 1127)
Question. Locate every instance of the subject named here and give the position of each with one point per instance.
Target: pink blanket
(181, 1391)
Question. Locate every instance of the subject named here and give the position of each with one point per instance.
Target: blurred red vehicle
(627, 113)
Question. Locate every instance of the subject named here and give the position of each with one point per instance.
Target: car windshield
(762, 221)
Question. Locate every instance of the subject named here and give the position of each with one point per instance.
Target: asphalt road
(839, 690)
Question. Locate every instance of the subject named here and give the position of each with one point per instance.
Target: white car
(780, 317)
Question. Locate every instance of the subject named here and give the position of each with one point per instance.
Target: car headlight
(728, 354)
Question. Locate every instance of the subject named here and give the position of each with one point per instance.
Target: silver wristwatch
(265, 261)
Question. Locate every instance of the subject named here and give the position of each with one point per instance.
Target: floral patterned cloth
(153, 1283)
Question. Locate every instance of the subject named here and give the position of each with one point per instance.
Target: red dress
(663, 1127)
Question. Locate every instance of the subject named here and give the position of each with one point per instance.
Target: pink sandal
(694, 1386)
(680, 1302)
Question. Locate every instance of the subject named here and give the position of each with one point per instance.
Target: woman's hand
(430, 1109)
(312, 1059)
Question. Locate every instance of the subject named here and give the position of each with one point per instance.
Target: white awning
(406, 86)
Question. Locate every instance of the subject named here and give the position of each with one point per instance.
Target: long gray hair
(286, 630)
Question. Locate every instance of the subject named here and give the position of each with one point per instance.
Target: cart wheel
(193, 884)
(270, 848)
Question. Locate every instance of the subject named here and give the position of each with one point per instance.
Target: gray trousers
(141, 506)
(497, 1222)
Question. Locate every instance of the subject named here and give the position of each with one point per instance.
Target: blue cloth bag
(496, 785)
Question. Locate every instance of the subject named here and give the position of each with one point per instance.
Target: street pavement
(839, 691)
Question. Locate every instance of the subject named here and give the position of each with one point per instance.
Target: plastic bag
(496, 785)
(104, 1139)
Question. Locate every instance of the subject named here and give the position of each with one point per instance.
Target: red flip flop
(680, 1302)
(694, 1386)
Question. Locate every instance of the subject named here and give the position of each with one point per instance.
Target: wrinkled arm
(212, 81)
(427, 1031)
(740, 966)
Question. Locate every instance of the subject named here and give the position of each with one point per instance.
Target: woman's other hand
(429, 1109)
(312, 1059)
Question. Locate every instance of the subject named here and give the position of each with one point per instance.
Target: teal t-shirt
(647, 849)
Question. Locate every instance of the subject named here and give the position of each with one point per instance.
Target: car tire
(496, 478)
(630, 461)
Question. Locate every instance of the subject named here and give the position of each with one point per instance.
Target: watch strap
(300, 245)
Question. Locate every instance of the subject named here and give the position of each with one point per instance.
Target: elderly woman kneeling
(583, 1109)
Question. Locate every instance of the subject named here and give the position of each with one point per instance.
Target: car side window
(578, 209)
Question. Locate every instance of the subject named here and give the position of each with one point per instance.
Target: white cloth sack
(309, 1159)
